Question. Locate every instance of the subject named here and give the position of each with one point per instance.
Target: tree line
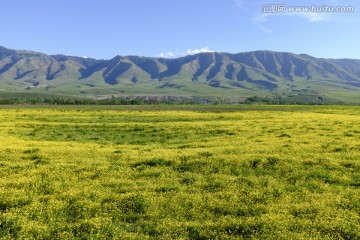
(155, 100)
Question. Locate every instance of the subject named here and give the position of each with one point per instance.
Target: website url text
(282, 8)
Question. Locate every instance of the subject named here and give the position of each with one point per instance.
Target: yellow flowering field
(282, 172)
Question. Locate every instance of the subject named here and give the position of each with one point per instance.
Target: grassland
(255, 172)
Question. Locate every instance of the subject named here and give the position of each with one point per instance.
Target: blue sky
(173, 28)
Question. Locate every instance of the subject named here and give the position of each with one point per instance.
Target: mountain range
(261, 73)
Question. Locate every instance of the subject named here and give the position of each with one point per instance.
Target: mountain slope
(262, 73)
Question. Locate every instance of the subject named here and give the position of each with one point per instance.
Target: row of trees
(124, 100)
(154, 100)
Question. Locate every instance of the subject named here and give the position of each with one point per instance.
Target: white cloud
(241, 4)
(311, 16)
(196, 51)
(259, 19)
(179, 53)
(166, 54)
(264, 17)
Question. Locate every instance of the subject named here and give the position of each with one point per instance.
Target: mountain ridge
(264, 73)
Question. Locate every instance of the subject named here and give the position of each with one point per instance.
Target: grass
(250, 172)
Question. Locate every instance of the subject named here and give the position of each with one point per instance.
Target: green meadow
(165, 172)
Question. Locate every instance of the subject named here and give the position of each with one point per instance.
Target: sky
(103, 29)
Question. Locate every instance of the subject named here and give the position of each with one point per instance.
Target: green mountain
(261, 73)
